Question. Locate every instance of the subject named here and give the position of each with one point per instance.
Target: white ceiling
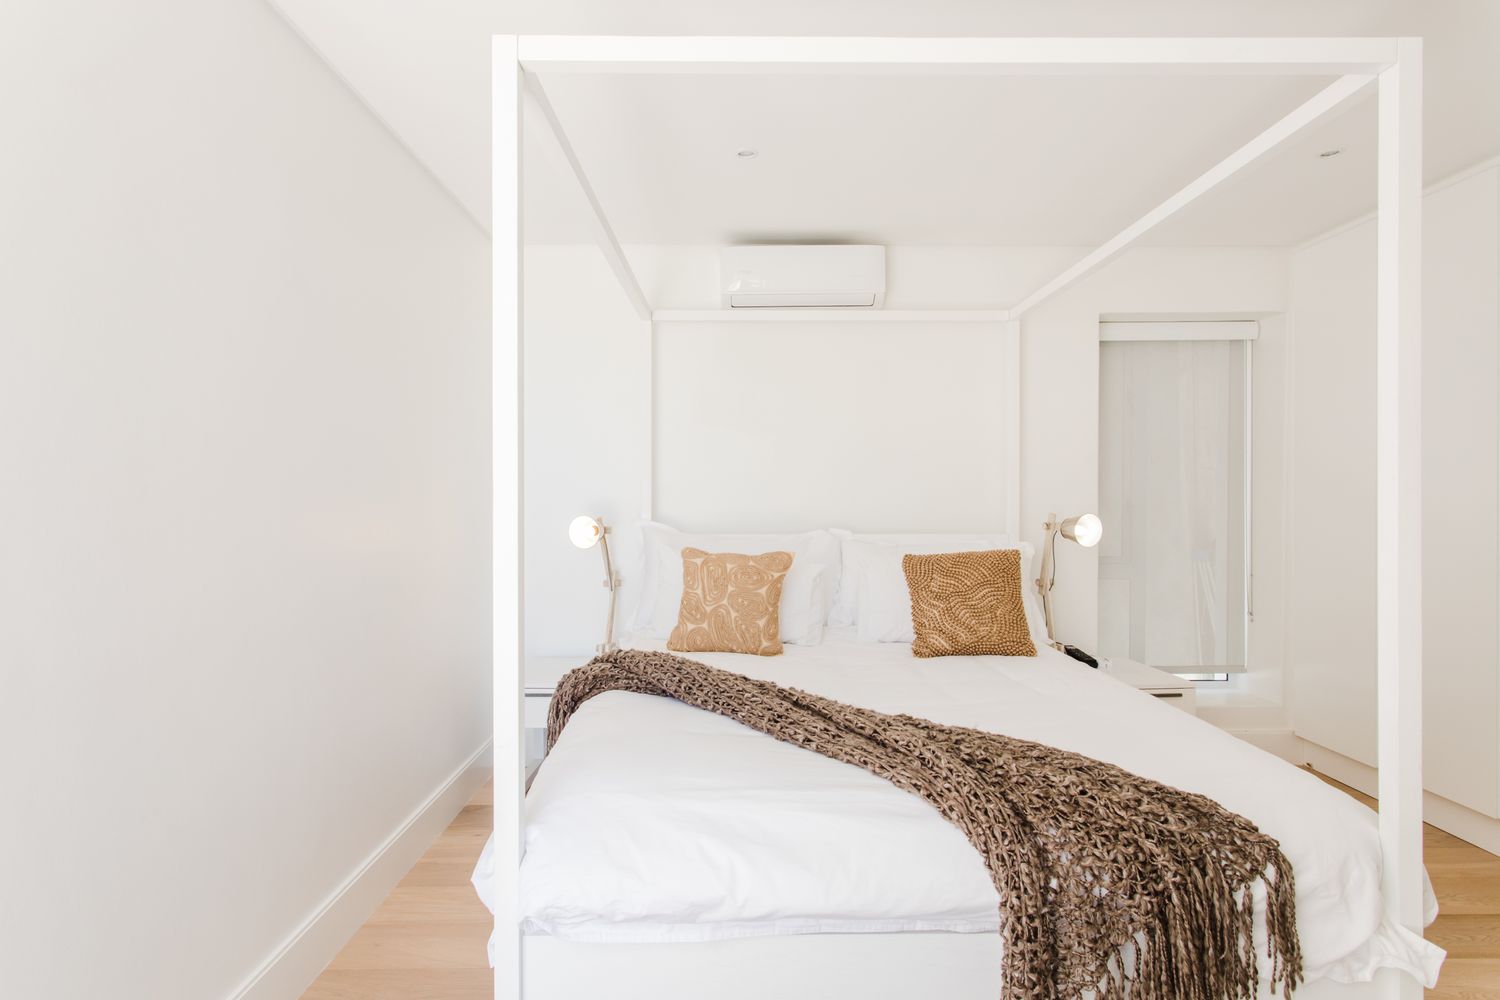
(1000, 160)
(1010, 160)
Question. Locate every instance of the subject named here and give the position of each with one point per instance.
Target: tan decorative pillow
(731, 603)
(968, 604)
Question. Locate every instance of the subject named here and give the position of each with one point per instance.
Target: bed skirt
(808, 967)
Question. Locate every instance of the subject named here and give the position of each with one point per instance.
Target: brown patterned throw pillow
(731, 603)
(968, 604)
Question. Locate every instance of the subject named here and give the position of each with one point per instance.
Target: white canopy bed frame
(950, 965)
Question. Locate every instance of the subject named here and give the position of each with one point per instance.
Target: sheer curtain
(1172, 457)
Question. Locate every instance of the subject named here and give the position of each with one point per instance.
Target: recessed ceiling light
(747, 154)
(1329, 153)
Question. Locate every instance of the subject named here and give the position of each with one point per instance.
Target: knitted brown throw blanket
(1086, 857)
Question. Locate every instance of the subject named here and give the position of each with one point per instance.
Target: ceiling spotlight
(1329, 153)
(747, 154)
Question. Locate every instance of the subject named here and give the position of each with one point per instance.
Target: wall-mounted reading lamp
(586, 532)
(1086, 530)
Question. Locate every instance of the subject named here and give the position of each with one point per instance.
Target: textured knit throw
(1087, 858)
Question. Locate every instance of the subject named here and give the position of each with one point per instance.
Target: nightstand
(1170, 688)
(542, 675)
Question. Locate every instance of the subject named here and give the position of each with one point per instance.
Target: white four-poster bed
(540, 967)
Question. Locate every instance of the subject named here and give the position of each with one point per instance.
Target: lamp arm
(611, 582)
(1048, 575)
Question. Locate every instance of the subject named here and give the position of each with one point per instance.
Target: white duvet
(654, 821)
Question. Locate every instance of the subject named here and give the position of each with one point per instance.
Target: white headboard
(869, 426)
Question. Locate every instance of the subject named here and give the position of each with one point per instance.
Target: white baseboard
(1464, 823)
(292, 967)
(1282, 742)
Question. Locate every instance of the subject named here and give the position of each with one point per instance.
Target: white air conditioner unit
(802, 277)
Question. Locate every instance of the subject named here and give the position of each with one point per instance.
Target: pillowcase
(802, 600)
(805, 597)
(968, 604)
(730, 603)
(884, 597)
(855, 549)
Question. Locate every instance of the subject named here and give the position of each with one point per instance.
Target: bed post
(1010, 331)
(1398, 493)
(648, 425)
(505, 548)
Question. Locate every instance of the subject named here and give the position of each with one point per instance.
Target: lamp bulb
(1085, 529)
(585, 531)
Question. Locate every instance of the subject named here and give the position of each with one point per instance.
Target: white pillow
(806, 594)
(885, 600)
(855, 549)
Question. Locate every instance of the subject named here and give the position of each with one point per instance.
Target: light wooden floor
(427, 940)
(1467, 882)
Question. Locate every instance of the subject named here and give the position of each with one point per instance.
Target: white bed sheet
(651, 821)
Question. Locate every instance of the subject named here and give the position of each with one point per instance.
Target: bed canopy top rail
(1330, 97)
(1396, 63)
(604, 233)
(1091, 56)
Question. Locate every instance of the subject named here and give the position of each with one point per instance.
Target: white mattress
(652, 821)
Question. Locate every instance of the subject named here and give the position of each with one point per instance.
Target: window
(1174, 479)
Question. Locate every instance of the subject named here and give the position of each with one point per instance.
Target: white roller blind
(1173, 440)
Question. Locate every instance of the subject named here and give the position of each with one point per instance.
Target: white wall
(244, 476)
(1059, 398)
(1330, 597)
(866, 426)
(1272, 441)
